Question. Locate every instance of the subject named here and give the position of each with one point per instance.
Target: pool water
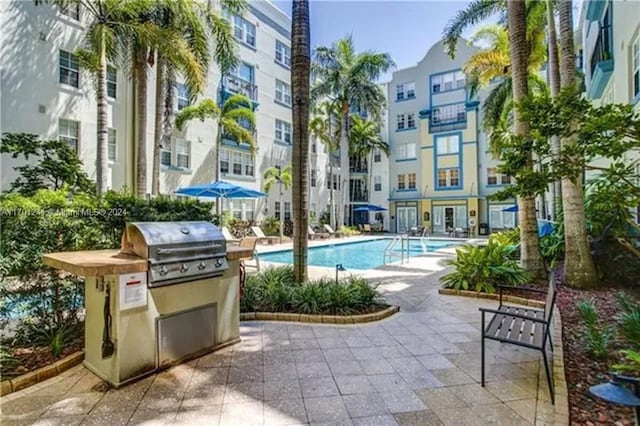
(358, 255)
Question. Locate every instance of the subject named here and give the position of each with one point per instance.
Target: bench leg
(549, 378)
(482, 353)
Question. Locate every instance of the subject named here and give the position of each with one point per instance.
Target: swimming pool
(357, 255)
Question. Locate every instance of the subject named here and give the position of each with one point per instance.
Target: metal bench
(522, 326)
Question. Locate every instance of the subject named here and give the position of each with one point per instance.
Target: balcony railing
(235, 84)
(602, 48)
(359, 196)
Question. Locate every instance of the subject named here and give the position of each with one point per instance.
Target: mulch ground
(581, 370)
(26, 359)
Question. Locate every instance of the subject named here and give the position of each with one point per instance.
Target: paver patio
(420, 367)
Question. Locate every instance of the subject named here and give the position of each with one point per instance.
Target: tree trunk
(343, 219)
(159, 128)
(216, 168)
(579, 269)
(141, 121)
(529, 243)
(332, 208)
(281, 214)
(554, 84)
(300, 73)
(103, 132)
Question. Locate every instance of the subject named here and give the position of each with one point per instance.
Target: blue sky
(405, 29)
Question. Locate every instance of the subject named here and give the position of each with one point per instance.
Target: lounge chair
(366, 228)
(331, 232)
(228, 237)
(313, 235)
(257, 231)
(250, 243)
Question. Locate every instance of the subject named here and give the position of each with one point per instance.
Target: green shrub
(311, 298)
(271, 226)
(251, 294)
(552, 248)
(506, 238)
(632, 364)
(482, 268)
(349, 231)
(597, 336)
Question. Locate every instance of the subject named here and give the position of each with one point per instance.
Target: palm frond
(206, 109)
(476, 11)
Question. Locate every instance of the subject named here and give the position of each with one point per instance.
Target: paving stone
(499, 414)
(371, 353)
(300, 332)
(376, 366)
(382, 420)
(453, 376)
(275, 372)
(252, 373)
(345, 368)
(361, 405)
(236, 393)
(153, 416)
(388, 382)
(402, 401)
(308, 370)
(325, 409)
(74, 404)
(285, 412)
(508, 391)
(338, 354)
(417, 418)
(331, 342)
(50, 421)
(308, 355)
(439, 398)
(209, 415)
(323, 386)
(525, 408)
(298, 344)
(457, 416)
(27, 407)
(420, 349)
(354, 384)
(359, 342)
(277, 357)
(435, 362)
(473, 394)
(250, 413)
(282, 389)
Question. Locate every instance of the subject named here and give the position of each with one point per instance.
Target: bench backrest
(551, 299)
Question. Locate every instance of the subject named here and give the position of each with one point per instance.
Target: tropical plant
(483, 268)
(506, 238)
(632, 363)
(348, 78)
(283, 178)
(236, 121)
(324, 127)
(300, 77)
(57, 165)
(597, 336)
(629, 319)
(270, 225)
(204, 31)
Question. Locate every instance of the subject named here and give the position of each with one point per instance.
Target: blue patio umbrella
(369, 208)
(220, 189)
(511, 209)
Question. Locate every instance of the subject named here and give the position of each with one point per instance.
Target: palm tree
(579, 269)
(204, 30)
(300, 75)
(554, 84)
(323, 127)
(364, 139)
(348, 78)
(236, 121)
(530, 247)
(283, 178)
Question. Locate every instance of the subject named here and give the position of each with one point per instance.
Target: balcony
(359, 196)
(358, 165)
(235, 85)
(601, 64)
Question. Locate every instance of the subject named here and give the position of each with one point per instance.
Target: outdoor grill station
(171, 293)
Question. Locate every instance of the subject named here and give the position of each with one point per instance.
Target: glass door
(401, 223)
(438, 220)
(412, 217)
(449, 218)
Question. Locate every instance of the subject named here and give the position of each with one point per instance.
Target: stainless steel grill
(177, 251)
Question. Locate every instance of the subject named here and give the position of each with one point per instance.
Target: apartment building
(440, 171)
(45, 91)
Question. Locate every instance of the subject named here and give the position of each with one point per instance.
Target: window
(111, 144)
(411, 179)
(401, 122)
(411, 120)
(636, 68)
(336, 182)
(312, 178)
(505, 179)
(70, 9)
(236, 163)
(405, 151)
(283, 131)
(224, 161)
(69, 132)
(244, 30)
(112, 80)
(448, 178)
(377, 183)
(406, 91)
(448, 114)
(377, 155)
(248, 164)
(448, 144)
(276, 210)
(182, 154)
(287, 210)
(165, 155)
(69, 69)
(283, 92)
(449, 81)
(283, 54)
(501, 219)
(314, 147)
(183, 97)
(401, 182)
(492, 178)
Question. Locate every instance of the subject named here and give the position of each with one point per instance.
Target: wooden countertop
(97, 263)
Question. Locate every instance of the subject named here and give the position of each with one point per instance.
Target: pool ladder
(389, 252)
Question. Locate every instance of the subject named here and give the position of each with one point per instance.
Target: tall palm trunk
(300, 73)
(216, 168)
(344, 166)
(579, 269)
(554, 84)
(102, 136)
(281, 213)
(332, 207)
(159, 124)
(529, 246)
(140, 75)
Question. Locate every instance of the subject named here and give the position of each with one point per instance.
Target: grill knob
(201, 266)
(184, 268)
(218, 263)
(163, 270)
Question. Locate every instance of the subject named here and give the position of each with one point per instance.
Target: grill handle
(187, 249)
